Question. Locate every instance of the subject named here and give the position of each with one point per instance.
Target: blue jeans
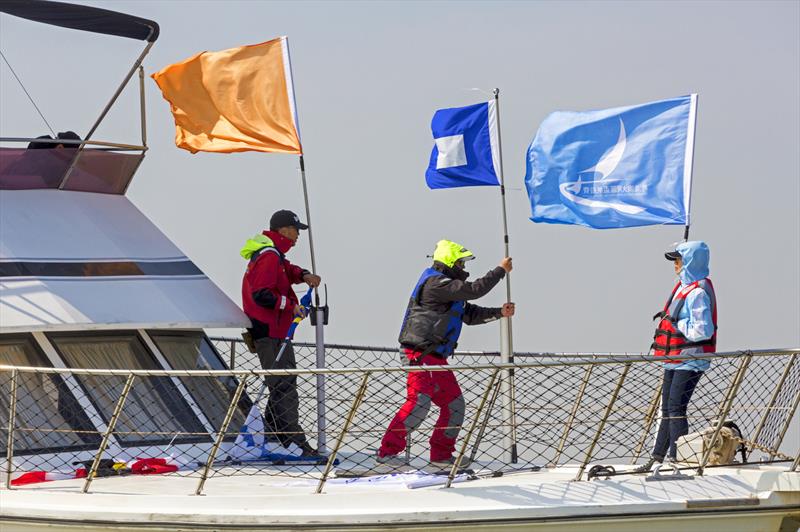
(675, 395)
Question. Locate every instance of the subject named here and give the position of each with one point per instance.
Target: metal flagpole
(506, 336)
(319, 322)
(320, 311)
(690, 159)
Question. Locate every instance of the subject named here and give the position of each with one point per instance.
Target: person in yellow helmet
(432, 324)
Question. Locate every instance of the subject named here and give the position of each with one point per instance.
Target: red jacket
(267, 294)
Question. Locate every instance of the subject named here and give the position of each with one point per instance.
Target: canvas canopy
(83, 18)
(76, 260)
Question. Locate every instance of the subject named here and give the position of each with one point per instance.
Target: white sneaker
(391, 460)
(448, 464)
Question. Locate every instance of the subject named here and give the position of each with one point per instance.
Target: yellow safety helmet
(448, 252)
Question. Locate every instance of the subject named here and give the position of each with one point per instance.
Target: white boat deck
(261, 500)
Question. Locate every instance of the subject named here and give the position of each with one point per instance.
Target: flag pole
(319, 321)
(689, 160)
(319, 311)
(506, 336)
(308, 217)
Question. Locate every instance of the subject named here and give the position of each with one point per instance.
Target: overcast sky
(369, 77)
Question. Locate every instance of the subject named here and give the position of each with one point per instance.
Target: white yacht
(118, 412)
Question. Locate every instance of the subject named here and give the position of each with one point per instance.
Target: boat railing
(562, 410)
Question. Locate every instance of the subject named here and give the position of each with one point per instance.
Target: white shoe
(391, 460)
(448, 464)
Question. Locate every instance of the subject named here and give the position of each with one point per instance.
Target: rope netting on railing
(567, 409)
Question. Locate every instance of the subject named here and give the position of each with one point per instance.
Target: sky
(368, 77)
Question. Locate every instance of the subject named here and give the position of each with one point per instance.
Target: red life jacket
(668, 340)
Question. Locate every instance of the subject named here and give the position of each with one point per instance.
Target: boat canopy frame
(95, 20)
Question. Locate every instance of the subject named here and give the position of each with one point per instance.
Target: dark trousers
(675, 395)
(281, 413)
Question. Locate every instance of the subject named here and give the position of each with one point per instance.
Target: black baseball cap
(69, 135)
(672, 255)
(285, 218)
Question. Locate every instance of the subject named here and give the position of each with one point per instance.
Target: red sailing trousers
(424, 388)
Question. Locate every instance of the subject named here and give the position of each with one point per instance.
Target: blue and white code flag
(466, 151)
(622, 167)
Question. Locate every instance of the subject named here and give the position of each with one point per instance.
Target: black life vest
(428, 330)
(668, 340)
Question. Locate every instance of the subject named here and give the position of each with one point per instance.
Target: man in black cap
(64, 135)
(271, 304)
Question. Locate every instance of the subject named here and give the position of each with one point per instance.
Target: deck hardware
(12, 411)
(574, 412)
(722, 503)
(350, 415)
(657, 476)
(603, 421)
(468, 436)
(221, 434)
(601, 472)
(111, 424)
(725, 408)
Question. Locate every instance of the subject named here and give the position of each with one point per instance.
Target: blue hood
(695, 257)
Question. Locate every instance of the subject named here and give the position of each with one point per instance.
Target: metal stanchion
(350, 415)
(221, 434)
(606, 414)
(409, 443)
(649, 417)
(485, 422)
(771, 404)
(12, 412)
(573, 413)
(465, 443)
(777, 443)
(111, 424)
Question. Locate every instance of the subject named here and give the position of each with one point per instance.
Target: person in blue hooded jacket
(687, 326)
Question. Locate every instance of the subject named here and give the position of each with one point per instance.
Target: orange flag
(240, 99)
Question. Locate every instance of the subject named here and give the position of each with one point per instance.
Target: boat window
(213, 395)
(47, 415)
(97, 170)
(154, 412)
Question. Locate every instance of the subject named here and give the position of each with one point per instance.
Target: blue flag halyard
(466, 152)
(614, 168)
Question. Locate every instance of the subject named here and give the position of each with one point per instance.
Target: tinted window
(47, 416)
(213, 395)
(154, 411)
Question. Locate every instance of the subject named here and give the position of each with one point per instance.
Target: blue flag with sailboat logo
(466, 149)
(614, 168)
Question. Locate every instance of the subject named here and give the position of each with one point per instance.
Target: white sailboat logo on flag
(605, 167)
